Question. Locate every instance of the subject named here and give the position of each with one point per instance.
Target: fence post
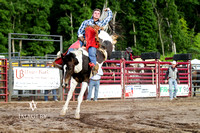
(10, 87)
(122, 62)
(190, 78)
(158, 79)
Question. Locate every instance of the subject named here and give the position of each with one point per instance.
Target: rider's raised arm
(107, 19)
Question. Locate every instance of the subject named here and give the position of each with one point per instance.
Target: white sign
(183, 90)
(108, 91)
(36, 78)
(140, 91)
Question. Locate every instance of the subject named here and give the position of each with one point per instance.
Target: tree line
(165, 26)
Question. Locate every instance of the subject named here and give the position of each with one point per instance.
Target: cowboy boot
(94, 68)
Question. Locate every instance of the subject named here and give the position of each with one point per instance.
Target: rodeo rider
(91, 22)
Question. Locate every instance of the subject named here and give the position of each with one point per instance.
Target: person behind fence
(53, 92)
(173, 75)
(95, 82)
(129, 55)
(92, 22)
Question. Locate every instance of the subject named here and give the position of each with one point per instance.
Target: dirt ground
(104, 116)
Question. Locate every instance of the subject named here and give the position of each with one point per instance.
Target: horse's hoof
(62, 112)
(77, 116)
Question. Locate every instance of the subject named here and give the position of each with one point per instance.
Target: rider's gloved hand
(81, 38)
(107, 9)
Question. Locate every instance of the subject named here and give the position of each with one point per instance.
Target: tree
(128, 9)
(190, 10)
(195, 48)
(5, 25)
(159, 16)
(146, 27)
(36, 21)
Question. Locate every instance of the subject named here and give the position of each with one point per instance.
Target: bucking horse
(75, 65)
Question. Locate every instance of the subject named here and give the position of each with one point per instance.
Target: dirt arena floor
(104, 116)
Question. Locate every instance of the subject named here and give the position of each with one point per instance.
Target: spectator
(53, 92)
(173, 75)
(95, 82)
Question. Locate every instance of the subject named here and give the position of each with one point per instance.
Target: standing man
(173, 75)
(91, 22)
(95, 82)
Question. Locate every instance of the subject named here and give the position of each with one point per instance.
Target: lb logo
(19, 74)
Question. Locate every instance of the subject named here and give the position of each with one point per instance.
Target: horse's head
(69, 62)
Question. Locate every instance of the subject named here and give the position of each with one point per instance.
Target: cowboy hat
(174, 63)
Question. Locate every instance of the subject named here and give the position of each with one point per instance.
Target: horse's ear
(62, 56)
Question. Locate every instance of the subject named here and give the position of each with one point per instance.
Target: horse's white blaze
(79, 55)
(73, 84)
(80, 99)
(64, 74)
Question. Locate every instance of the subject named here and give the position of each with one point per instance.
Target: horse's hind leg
(80, 99)
(73, 85)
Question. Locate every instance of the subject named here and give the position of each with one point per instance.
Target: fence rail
(3, 80)
(142, 75)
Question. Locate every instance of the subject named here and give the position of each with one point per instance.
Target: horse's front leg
(73, 84)
(80, 99)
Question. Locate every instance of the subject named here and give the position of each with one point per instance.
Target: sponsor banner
(108, 91)
(36, 78)
(183, 90)
(132, 91)
(140, 91)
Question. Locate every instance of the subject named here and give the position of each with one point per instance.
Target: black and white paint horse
(76, 68)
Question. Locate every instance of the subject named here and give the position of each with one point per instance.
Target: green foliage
(179, 23)
(195, 48)
(162, 58)
(26, 17)
(147, 27)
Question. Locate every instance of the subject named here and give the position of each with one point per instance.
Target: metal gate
(134, 79)
(3, 80)
(195, 79)
(29, 61)
(141, 79)
(184, 88)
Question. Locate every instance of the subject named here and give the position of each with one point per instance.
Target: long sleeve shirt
(90, 22)
(172, 73)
